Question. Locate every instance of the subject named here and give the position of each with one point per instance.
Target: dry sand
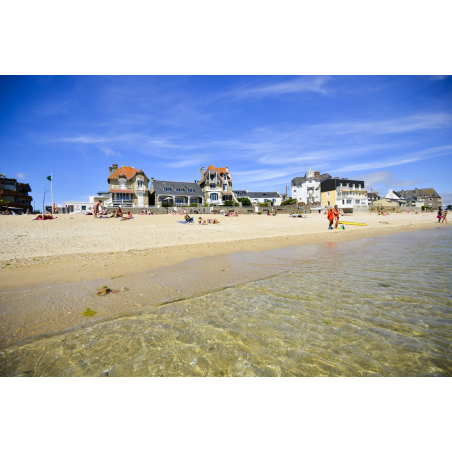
(73, 248)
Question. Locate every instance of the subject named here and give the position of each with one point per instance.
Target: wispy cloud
(297, 85)
(109, 152)
(439, 77)
(413, 157)
(20, 175)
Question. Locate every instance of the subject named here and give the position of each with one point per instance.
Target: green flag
(49, 178)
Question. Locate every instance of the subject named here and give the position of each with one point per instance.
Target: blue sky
(391, 131)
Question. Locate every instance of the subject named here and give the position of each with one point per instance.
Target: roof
(300, 180)
(218, 170)
(127, 171)
(120, 191)
(159, 185)
(259, 194)
(430, 192)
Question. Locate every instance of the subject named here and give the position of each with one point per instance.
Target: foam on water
(383, 309)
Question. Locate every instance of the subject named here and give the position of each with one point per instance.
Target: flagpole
(51, 188)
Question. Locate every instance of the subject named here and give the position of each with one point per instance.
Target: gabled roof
(430, 192)
(300, 180)
(220, 171)
(160, 185)
(126, 171)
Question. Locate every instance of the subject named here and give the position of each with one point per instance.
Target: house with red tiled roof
(127, 187)
(216, 185)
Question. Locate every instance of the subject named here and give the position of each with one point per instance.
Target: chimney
(226, 168)
(152, 179)
(277, 191)
(111, 170)
(335, 177)
(114, 167)
(415, 191)
(202, 172)
(317, 174)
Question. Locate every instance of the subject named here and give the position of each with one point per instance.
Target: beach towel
(182, 222)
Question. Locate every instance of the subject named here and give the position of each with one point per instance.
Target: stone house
(175, 193)
(128, 187)
(216, 185)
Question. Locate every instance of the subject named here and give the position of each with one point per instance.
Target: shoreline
(55, 308)
(30, 273)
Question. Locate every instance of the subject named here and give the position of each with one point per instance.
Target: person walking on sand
(439, 215)
(330, 217)
(444, 217)
(336, 217)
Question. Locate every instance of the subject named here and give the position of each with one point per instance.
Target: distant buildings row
(129, 187)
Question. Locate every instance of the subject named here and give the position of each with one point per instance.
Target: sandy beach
(74, 248)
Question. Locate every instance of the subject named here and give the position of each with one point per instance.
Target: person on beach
(201, 221)
(444, 217)
(336, 217)
(129, 216)
(96, 208)
(440, 215)
(118, 212)
(44, 216)
(330, 217)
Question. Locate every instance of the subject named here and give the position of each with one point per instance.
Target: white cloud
(439, 77)
(413, 157)
(298, 85)
(20, 175)
(109, 152)
(446, 198)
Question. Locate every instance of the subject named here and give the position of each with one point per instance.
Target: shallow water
(384, 309)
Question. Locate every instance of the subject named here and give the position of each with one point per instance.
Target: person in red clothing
(336, 217)
(330, 217)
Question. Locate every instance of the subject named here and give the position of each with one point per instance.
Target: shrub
(236, 204)
(244, 201)
(228, 203)
(288, 202)
(167, 204)
(422, 208)
(193, 204)
(259, 213)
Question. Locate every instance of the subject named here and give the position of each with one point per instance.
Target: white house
(260, 197)
(306, 189)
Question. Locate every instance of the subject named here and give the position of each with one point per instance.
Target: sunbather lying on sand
(44, 216)
(214, 221)
(201, 221)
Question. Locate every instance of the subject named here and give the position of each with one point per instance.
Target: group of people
(210, 221)
(148, 212)
(333, 217)
(442, 216)
(19, 212)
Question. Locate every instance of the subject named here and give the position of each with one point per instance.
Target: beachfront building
(14, 195)
(127, 187)
(175, 193)
(260, 197)
(389, 203)
(373, 197)
(427, 197)
(306, 189)
(75, 207)
(216, 185)
(348, 195)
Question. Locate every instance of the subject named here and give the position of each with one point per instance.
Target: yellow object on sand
(353, 224)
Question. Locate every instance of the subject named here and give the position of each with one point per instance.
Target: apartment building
(348, 195)
(15, 194)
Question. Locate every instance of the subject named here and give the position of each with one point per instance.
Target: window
(327, 203)
(225, 187)
(190, 190)
(167, 189)
(214, 196)
(9, 186)
(179, 189)
(83, 207)
(212, 186)
(349, 201)
(140, 184)
(327, 194)
(356, 201)
(225, 177)
(274, 200)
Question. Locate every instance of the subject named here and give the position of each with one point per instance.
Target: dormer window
(212, 186)
(140, 184)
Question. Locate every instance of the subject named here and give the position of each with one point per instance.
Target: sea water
(383, 309)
